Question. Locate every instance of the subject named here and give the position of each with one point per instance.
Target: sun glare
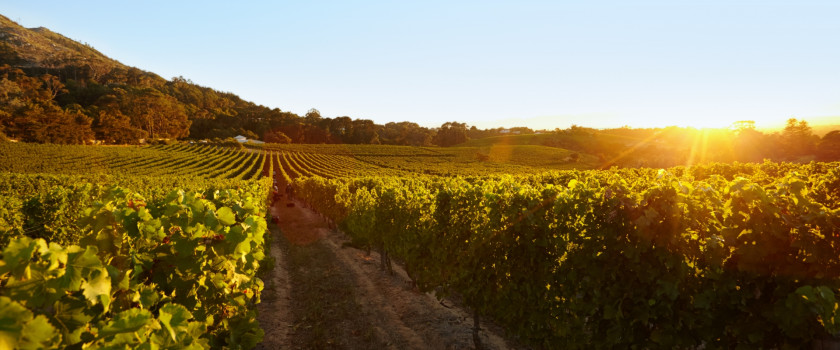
(728, 122)
(707, 123)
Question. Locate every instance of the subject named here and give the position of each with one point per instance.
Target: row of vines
(172, 160)
(717, 256)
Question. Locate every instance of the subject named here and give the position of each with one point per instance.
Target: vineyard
(160, 246)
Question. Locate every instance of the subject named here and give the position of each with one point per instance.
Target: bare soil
(323, 294)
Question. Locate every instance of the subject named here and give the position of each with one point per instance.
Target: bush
(162, 142)
(232, 143)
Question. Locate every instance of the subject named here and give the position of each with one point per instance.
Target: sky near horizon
(541, 64)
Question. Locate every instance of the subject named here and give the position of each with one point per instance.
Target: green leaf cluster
(178, 273)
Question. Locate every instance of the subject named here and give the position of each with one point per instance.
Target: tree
(742, 125)
(375, 139)
(579, 130)
(828, 149)
(312, 117)
(798, 139)
(404, 134)
(53, 86)
(29, 112)
(314, 134)
(110, 125)
(749, 144)
(451, 133)
(54, 125)
(160, 115)
(341, 129)
(363, 132)
(295, 131)
(276, 137)
(116, 128)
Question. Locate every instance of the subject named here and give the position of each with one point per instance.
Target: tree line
(128, 105)
(74, 104)
(742, 142)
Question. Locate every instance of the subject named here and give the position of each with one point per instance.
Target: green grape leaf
(197, 206)
(210, 220)
(151, 229)
(33, 291)
(226, 216)
(79, 262)
(55, 254)
(147, 296)
(175, 318)
(39, 334)
(97, 288)
(18, 255)
(144, 214)
(73, 313)
(131, 320)
(13, 317)
(121, 280)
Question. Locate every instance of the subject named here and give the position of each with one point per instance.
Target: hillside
(41, 48)
(57, 90)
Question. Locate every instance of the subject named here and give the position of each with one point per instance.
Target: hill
(41, 48)
(57, 90)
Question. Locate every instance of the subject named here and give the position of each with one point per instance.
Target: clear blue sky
(542, 64)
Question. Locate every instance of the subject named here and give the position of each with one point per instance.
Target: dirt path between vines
(324, 294)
